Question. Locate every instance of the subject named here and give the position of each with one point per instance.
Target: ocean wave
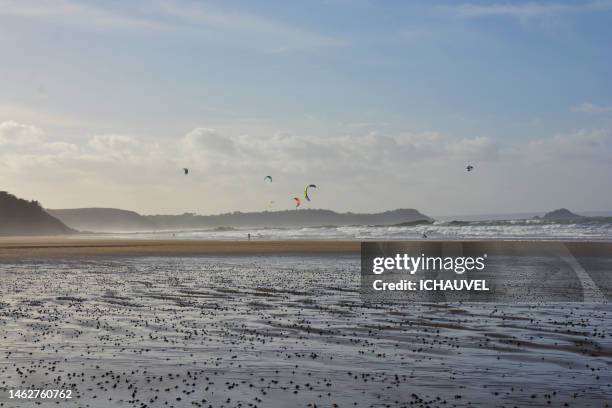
(448, 230)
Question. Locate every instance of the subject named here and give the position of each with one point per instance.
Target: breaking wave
(588, 229)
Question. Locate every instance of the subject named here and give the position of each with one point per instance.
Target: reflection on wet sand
(281, 331)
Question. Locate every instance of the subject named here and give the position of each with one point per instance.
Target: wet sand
(125, 323)
(46, 247)
(281, 331)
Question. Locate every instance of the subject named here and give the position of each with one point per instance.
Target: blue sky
(102, 101)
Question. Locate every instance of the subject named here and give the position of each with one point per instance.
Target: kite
(469, 167)
(297, 201)
(268, 178)
(185, 170)
(306, 191)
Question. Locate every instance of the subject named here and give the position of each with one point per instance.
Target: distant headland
(23, 217)
(112, 220)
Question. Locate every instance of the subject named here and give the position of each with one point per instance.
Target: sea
(520, 229)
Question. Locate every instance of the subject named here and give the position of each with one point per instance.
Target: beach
(274, 324)
(58, 246)
(54, 246)
(327, 204)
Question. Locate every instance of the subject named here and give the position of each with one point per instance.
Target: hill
(561, 214)
(564, 216)
(103, 220)
(288, 218)
(22, 217)
(115, 220)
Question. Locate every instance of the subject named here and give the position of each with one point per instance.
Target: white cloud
(231, 164)
(18, 134)
(113, 143)
(343, 157)
(593, 145)
(367, 172)
(209, 141)
(479, 148)
(588, 107)
(25, 114)
(27, 147)
(29, 139)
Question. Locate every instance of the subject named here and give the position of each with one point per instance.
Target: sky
(380, 104)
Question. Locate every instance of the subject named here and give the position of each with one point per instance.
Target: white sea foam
(512, 229)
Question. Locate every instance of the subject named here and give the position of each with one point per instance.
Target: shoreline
(57, 246)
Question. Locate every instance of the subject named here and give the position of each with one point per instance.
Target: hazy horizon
(381, 105)
(422, 211)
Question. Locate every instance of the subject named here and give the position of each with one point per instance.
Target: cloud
(26, 149)
(371, 171)
(209, 141)
(18, 134)
(26, 114)
(113, 143)
(585, 145)
(27, 139)
(479, 148)
(524, 11)
(339, 155)
(342, 157)
(588, 107)
(269, 35)
(279, 37)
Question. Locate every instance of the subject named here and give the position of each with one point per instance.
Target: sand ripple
(282, 331)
